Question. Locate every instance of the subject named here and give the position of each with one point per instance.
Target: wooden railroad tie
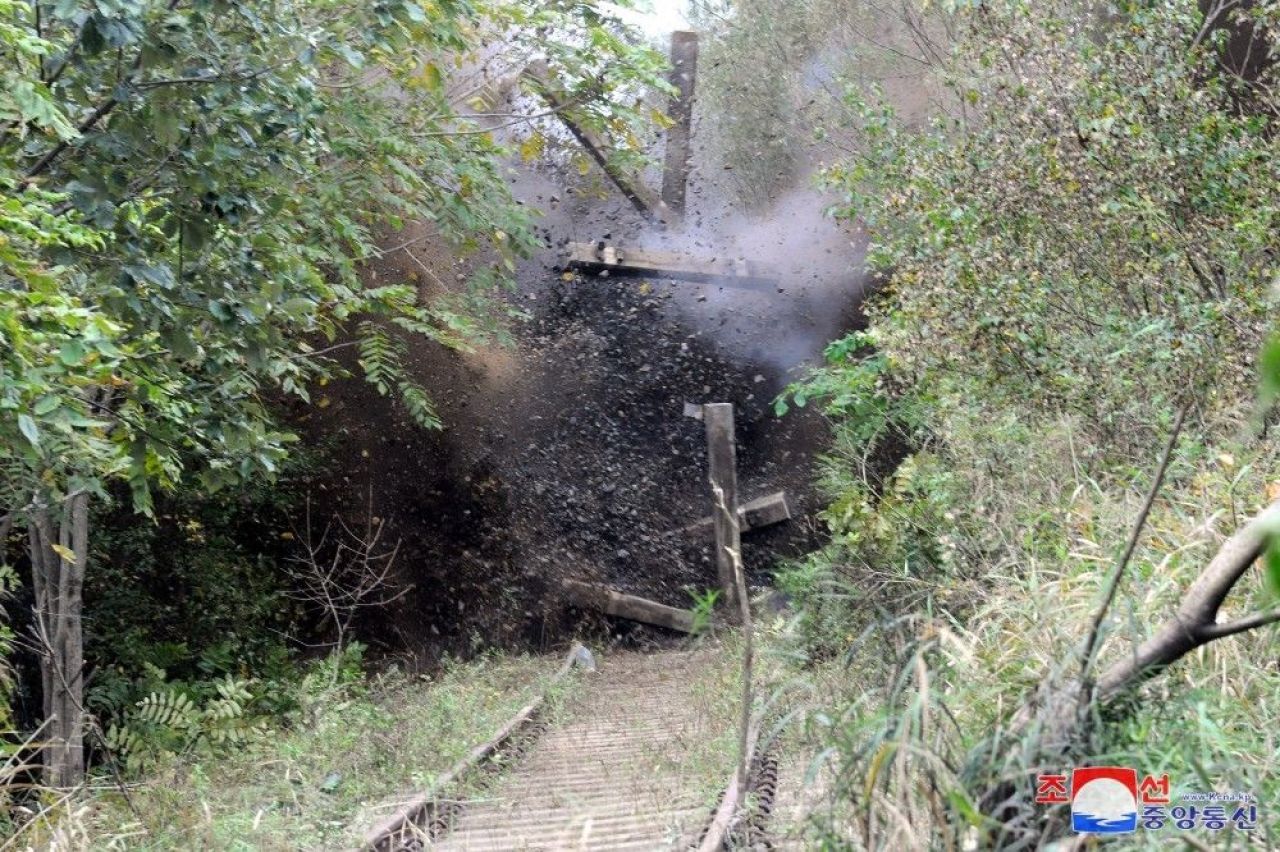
(610, 602)
(605, 257)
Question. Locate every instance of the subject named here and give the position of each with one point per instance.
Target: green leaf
(1269, 370)
(353, 57)
(1271, 563)
(71, 353)
(35, 106)
(46, 404)
(431, 77)
(28, 428)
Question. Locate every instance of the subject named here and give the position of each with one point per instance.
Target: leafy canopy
(191, 188)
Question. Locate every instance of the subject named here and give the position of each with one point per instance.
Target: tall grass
(319, 780)
(934, 673)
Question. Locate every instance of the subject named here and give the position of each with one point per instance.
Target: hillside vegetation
(1051, 480)
(1078, 260)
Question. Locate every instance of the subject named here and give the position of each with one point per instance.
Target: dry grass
(923, 692)
(319, 785)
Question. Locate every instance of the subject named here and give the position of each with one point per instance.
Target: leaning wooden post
(722, 454)
(684, 69)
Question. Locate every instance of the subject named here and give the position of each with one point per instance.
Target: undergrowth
(930, 680)
(1081, 252)
(318, 777)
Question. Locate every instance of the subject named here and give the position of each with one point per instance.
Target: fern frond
(419, 405)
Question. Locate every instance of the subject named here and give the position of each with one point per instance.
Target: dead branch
(1195, 623)
(345, 571)
(1055, 719)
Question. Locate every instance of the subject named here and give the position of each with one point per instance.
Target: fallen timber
(630, 607)
(604, 257)
(761, 512)
(643, 199)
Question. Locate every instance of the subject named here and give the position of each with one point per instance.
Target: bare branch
(344, 571)
(1240, 625)
(1091, 644)
(1195, 622)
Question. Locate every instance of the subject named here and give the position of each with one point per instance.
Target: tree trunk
(58, 541)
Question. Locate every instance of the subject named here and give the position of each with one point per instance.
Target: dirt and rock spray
(567, 454)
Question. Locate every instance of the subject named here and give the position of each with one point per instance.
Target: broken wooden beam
(684, 69)
(641, 197)
(722, 469)
(631, 607)
(765, 511)
(604, 257)
(761, 512)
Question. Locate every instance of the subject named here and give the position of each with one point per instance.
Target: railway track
(635, 760)
(615, 774)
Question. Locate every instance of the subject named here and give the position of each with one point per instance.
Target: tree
(192, 187)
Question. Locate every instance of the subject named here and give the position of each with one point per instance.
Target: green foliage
(317, 779)
(168, 722)
(891, 498)
(197, 594)
(1096, 248)
(857, 389)
(230, 170)
(382, 359)
(1083, 241)
(8, 582)
(704, 606)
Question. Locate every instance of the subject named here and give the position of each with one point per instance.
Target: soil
(567, 453)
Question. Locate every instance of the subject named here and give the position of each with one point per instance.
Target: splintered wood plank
(728, 270)
(761, 512)
(765, 511)
(632, 607)
(684, 70)
(722, 456)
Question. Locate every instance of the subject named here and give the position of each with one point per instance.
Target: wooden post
(722, 454)
(684, 69)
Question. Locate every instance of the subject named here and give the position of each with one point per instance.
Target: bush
(191, 629)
